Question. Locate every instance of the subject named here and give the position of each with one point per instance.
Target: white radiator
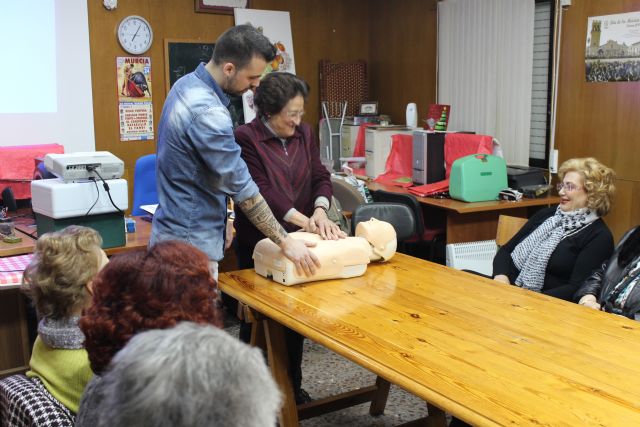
(476, 256)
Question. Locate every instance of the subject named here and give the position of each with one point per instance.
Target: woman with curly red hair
(157, 289)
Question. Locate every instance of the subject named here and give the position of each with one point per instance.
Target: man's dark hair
(240, 44)
(275, 90)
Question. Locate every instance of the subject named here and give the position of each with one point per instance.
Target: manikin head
(381, 236)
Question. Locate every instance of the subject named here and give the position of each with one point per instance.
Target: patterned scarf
(532, 254)
(61, 333)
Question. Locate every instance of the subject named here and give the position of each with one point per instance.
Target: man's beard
(229, 86)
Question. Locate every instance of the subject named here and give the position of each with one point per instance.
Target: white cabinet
(378, 146)
(348, 139)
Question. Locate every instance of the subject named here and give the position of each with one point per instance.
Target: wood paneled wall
(600, 119)
(403, 48)
(332, 29)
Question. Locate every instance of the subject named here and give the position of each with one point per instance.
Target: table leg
(436, 416)
(379, 402)
(279, 362)
(257, 338)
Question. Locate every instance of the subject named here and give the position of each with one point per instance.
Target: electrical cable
(97, 195)
(32, 234)
(105, 185)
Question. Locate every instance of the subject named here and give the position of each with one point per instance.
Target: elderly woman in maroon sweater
(283, 159)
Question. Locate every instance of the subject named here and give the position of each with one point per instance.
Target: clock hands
(136, 33)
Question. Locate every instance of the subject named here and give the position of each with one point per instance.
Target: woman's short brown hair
(62, 265)
(598, 181)
(169, 283)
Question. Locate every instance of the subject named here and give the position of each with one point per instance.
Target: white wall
(28, 63)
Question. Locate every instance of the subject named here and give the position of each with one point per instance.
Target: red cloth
(458, 145)
(17, 164)
(397, 170)
(11, 269)
(134, 90)
(429, 189)
(358, 151)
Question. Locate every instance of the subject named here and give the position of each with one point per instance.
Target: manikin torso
(374, 241)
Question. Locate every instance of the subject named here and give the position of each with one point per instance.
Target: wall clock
(135, 34)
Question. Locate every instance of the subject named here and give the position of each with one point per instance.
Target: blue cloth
(198, 165)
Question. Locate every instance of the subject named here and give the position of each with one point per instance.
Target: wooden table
(469, 222)
(15, 350)
(491, 354)
(135, 241)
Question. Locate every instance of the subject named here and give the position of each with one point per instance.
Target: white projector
(58, 199)
(83, 166)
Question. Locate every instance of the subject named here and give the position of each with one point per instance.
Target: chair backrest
(347, 194)
(26, 402)
(406, 199)
(508, 226)
(398, 215)
(144, 184)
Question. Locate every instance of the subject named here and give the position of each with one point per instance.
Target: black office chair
(424, 234)
(398, 215)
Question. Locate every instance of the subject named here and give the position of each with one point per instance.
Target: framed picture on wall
(369, 108)
(221, 6)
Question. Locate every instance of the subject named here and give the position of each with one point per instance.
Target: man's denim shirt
(198, 165)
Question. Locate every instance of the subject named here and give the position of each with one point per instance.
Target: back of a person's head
(63, 263)
(188, 376)
(155, 289)
(240, 44)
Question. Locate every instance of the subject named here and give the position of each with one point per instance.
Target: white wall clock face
(135, 34)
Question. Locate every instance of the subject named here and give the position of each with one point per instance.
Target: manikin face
(238, 81)
(573, 195)
(284, 123)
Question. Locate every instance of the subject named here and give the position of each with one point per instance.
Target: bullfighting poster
(135, 108)
(612, 52)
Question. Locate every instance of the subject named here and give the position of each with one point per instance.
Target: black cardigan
(571, 262)
(603, 281)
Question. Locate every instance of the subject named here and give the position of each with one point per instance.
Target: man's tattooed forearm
(259, 213)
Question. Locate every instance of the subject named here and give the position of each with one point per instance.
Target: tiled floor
(326, 373)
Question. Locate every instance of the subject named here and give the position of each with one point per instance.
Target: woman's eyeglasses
(294, 114)
(568, 187)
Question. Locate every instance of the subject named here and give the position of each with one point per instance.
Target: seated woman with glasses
(614, 287)
(558, 248)
(283, 159)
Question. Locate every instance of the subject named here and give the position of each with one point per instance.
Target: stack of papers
(149, 208)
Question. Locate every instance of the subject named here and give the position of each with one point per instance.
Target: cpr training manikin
(340, 259)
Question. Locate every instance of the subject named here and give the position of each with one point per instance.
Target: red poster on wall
(135, 109)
